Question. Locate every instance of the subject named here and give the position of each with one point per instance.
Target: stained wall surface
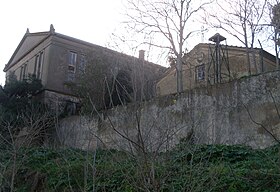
(244, 111)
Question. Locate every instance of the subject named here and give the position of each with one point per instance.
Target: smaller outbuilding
(212, 63)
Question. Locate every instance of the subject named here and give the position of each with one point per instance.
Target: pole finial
(52, 30)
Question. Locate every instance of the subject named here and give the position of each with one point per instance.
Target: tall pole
(217, 38)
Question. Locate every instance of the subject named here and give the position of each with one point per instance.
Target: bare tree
(241, 19)
(30, 128)
(141, 136)
(167, 23)
(274, 21)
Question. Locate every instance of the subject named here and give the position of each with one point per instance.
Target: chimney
(142, 54)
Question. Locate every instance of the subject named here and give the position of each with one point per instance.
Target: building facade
(208, 64)
(58, 60)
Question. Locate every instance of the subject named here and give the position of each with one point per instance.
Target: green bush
(185, 168)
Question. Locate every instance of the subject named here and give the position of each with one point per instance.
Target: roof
(217, 38)
(28, 42)
(229, 47)
(239, 48)
(32, 40)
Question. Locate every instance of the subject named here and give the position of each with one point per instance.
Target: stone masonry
(244, 111)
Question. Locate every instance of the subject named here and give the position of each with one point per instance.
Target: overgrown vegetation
(19, 109)
(24, 122)
(185, 168)
(16, 95)
(102, 86)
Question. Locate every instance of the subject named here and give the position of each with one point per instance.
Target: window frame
(72, 65)
(200, 72)
(72, 58)
(23, 71)
(38, 65)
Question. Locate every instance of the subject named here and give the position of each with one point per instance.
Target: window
(38, 65)
(200, 72)
(23, 72)
(72, 58)
(70, 75)
(71, 66)
(82, 65)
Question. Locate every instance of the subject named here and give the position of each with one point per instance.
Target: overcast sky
(89, 20)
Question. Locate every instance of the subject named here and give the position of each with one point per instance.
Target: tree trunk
(276, 47)
(179, 56)
(179, 75)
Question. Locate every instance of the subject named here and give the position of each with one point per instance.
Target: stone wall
(244, 111)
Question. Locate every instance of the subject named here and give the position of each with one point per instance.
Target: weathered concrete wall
(239, 112)
(233, 66)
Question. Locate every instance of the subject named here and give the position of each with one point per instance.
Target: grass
(185, 168)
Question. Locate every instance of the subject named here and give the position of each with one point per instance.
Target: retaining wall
(244, 111)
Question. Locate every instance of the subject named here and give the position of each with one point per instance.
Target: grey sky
(89, 20)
